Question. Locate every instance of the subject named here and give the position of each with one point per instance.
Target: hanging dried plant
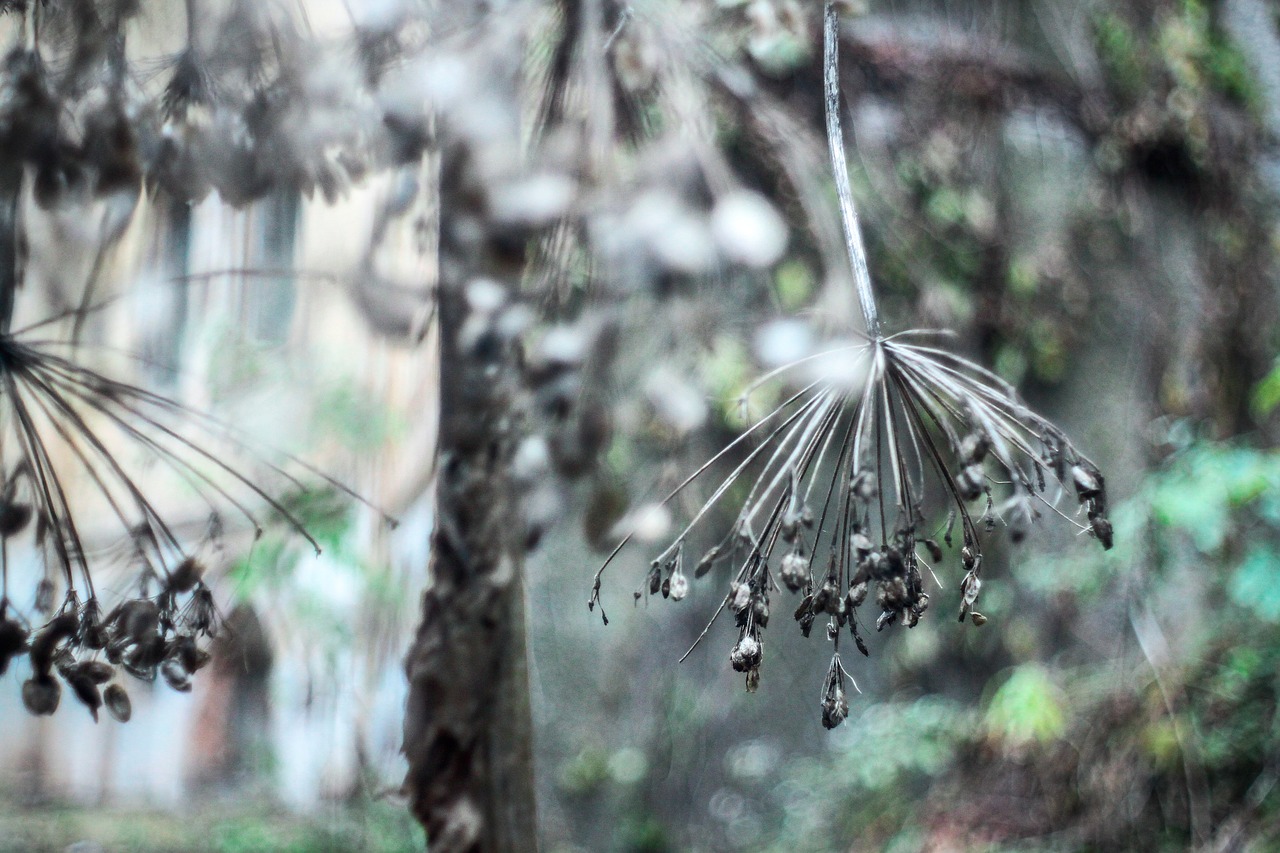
(60, 419)
(845, 468)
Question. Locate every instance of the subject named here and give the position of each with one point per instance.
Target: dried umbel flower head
(53, 411)
(880, 430)
(845, 473)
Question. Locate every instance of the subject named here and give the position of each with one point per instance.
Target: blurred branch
(970, 69)
(1155, 648)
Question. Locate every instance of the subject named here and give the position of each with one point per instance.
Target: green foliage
(587, 772)
(1027, 708)
(871, 781)
(360, 826)
(352, 416)
(795, 282)
(318, 616)
(325, 513)
(1185, 45)
(1119, 51)
(1202, 489)
(372, 827)
(1255, 584)
(1267, 395)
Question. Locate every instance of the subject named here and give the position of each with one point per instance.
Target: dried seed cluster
(144, 637)
(251, 103)
(846, 472)
(51, 411)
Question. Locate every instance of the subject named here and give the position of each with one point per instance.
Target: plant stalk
(835, 141)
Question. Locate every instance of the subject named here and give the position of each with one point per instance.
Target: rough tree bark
(468, 728)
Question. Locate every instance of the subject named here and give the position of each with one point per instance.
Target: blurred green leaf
(1267, 395)
(795, 284)
(1028, 708)
(1160, 741)
(1255, 584)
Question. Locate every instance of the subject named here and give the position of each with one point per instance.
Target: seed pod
(753, 679)
(46, 642)
(806, 623)
(892, 594)
(13, 518)
(117, 702)
(93, 633)
(834, 712)
(1102, 530)
(969, 482)
(977, 619)
(176, 677)
(747, 654)
(13, 639)
(99, 672)
(41, 694)
(142, 661)
(1088, 482)
(862, 546)
(186, 575)
(857, 594)
(191, 656)
(86, 690)
(739, 596)
(139, 619)
(204, 613)
(707, 561)
(835, 707)
(974, 447)
(794, 571)
(892, 564)
(679, 586)
(828, 598)
(761, 609)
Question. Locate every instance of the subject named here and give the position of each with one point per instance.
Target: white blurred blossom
(647, 523)
(675, 400)
(748, 230)
(783, 341)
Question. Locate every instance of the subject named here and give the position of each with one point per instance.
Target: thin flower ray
(98, 385)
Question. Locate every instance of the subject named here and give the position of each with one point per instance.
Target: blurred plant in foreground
(66, 421)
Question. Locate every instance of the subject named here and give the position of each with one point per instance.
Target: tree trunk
(468, 727)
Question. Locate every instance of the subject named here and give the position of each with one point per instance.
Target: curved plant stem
(835, 141)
